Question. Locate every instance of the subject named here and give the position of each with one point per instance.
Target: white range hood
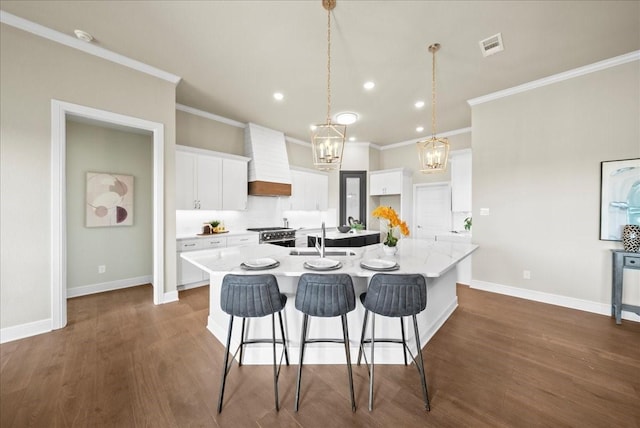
(269, 165)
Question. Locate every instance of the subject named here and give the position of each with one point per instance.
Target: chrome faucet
(320, 247)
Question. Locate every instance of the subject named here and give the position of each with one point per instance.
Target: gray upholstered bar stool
(325, 295)
(394, 296)
(251, 296)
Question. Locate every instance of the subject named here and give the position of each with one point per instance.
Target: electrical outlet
(526, 274)
(484, 211)
(102, 269)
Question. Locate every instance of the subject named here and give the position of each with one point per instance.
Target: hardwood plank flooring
(497, 362)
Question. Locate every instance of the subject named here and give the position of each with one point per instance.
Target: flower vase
(631, 238)
(389, 251)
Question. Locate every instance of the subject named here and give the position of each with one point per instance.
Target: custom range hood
(269, 165)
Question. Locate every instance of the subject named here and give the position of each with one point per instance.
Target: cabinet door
(185, 181)
(296, 201)
(209, 182)
(234, 184)
(237, 241)
(461, 183)
(187, 273)
(322, 192)
(385, 183)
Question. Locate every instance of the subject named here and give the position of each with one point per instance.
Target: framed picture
(109, 199)
(619, 197)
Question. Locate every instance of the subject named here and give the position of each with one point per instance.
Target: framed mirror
(353, 196)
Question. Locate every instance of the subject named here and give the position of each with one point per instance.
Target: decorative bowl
(344, 229)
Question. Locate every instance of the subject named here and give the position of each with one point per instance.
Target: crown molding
(576, 72)
(415, 140)
(210, 116)
(296, 141)
(72, 42)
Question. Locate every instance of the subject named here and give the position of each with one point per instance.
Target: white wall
(536, 166)
(33, 71)
(125, 251)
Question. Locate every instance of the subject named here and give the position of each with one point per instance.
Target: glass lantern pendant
(433, 152)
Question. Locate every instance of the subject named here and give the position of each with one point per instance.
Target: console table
(622, 260)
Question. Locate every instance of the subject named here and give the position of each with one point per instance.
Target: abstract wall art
(109, 199)
(619, 197)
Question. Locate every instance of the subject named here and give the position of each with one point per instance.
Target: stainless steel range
(284, 237)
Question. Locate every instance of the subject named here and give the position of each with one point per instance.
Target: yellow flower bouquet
(391, 216)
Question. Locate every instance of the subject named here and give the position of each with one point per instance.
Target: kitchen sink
(314, 252)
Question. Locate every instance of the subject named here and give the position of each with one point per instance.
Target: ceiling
(233, 55)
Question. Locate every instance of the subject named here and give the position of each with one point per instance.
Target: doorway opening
(60, 111)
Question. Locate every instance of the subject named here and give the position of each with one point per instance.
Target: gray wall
(33, 71)
(126, 251)
(536, 166)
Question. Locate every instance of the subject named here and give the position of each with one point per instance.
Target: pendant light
(433, 152)
(327, 139)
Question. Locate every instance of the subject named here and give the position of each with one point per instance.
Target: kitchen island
(435, 260)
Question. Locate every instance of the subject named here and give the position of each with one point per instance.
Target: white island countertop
(434, 259)
(430, 258)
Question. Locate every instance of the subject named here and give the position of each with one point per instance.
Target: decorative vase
(631, 238)
(389, 251)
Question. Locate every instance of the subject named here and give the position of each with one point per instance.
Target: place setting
(380, 265)
(263, 263)
(322, 264)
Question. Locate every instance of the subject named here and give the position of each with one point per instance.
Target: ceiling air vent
(492, 45)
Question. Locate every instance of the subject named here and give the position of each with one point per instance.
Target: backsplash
(261, 212)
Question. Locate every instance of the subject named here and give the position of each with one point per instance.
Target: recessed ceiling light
(346, 118)
(420, 129)
(419, 104)
(83, 35)
(369, 85)
(313, 127)
(352, 138)
(278, 96)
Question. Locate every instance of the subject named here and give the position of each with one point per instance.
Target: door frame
(59, 112)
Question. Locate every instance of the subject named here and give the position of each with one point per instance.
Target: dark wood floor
(497, 362)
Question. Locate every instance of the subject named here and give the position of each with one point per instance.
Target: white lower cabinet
(189, 276)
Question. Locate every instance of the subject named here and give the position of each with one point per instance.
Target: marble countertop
(430, 258)
(336, 234)
(240, 232)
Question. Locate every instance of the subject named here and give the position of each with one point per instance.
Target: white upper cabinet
(234, 184)
(309, 191)
(461, 182)
(208, 180)
(385, 182)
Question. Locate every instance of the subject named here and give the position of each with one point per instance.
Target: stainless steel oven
(284, 237)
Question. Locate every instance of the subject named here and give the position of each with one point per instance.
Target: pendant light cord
(433, 90)
(328, 66)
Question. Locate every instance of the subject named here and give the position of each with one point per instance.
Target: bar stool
(325, 295)
(252, 296)
(394, 296)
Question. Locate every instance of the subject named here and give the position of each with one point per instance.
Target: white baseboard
(9, 334)
(171, 296)
(552, 299)
(108, 286)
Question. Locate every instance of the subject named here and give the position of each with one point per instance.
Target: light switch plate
(484, 211)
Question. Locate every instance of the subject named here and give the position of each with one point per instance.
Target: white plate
(321, 263)
(260, 263)
(379, 264)
(338, 266)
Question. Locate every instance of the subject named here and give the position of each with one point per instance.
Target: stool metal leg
(275, 364)
(364, 327)
(303, 339)
(425, 393)
(225, 370)
(244, 320)
(404, 342)
(284, 341)
(345, 335)
(373, 353)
